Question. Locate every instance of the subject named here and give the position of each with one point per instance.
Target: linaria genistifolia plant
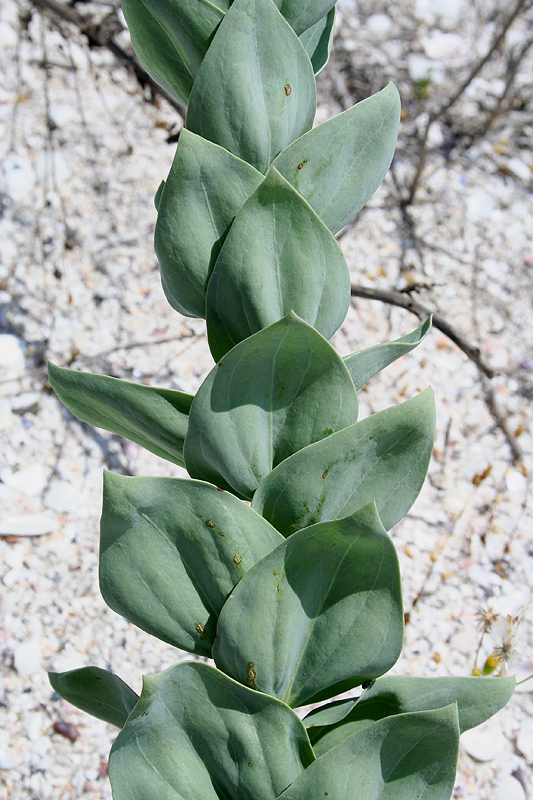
(274, 559)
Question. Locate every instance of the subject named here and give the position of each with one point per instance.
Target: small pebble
(18, 179)
(12, 351)
(524, 741)
(480, 206)
(66, 729)
(509, 789)
(29, 525)
(27, 657)
(61, 496)
(30, 480)
(379, 23)
(486, 742)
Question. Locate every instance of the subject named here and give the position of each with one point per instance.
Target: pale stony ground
(79, 285)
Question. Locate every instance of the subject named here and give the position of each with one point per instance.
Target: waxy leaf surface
(322, 613)
(399, 758)
(338, 165)
(171, 38)
(383, 458)
(154, 418)
(266, 399)
(317, 41)
(366, 363)
(302, 14)
(97, 692)
(198, 735)
(477, 699)
(262, 271)
(204, 191)
(254, 93)
(171, 550)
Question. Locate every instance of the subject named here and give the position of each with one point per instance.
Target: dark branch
(404, 300)
(474, 72)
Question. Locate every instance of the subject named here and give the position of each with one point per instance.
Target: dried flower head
(486, 617)
(505, 630)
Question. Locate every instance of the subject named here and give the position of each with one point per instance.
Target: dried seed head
(486, 618)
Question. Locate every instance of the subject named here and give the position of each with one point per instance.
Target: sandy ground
(82, 156)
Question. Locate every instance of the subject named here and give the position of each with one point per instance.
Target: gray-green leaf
(366, 363)
(384, 458)
(253, 95)
(197, 735)
(302, 14)
(322, 613)
(97, 692)
(262, 271)
(154, 418)
(205, 189)
(317, 41)
(338, 165)
(477, 699)
(157, 197)
(171, 38)
(171, 550)
(267, 398)
(399, 758)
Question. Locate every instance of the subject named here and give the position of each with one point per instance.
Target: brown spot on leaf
(210, 523)
(251, 675)
(200, 630)
(237, 558)
(288, 89)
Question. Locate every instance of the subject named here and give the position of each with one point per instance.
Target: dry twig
(98, 37)
(404, 300)
(519, 7)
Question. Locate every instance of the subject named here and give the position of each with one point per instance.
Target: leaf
(197, 735)
(254, 94)
(303, 14)
(477, 699)
(97, 692)
(155, 418)
(171, 38)
(338, 165)
(399, 758)
(320, 614)
(204, 191)
(171, 550)
(262, 271)
(366, 363)
(383, 458)
(157, 198)
(317, 41)
(239, 429)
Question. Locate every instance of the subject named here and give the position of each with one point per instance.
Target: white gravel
(79, 285)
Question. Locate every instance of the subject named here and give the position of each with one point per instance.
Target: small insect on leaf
(210, 523)
(288, 89)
